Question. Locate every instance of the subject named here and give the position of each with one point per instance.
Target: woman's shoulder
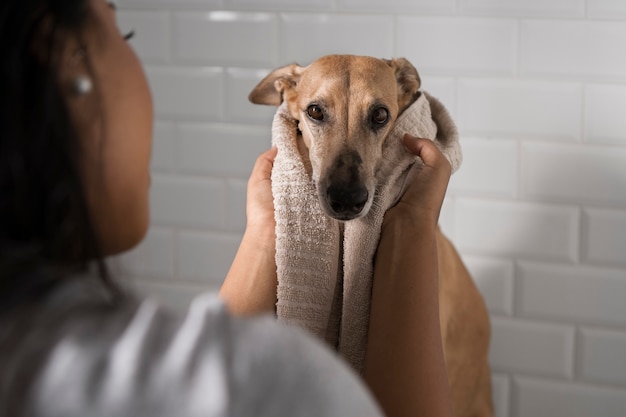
(142, 357)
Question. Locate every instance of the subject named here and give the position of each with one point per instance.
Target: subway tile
(237, 108)
(604, 113)
(494, 279)
(163, 147)
(532, 347)
(520, 108)
(401, 6)
(176, 296)
(236, 205)
(575, 49)
(205, 257)
(536, 397)
(442, 88)
(602, 356)
(518, 8)
(489, 167)
(574, 173)
(575, 293)
(221, 150)
(186, 93)
(503, 228)
(458, 45)
(306, 37)
(501, 394)
(605, 236)
(226, 38)
(187, 202)
(282, 5)
(611, 9)
(153, 257)
(152, 39)
(171, 4)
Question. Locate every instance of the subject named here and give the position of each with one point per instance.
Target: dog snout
(347, 200)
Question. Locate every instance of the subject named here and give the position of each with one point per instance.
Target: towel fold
(324, 266)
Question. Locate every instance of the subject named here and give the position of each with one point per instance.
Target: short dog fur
(346, 106)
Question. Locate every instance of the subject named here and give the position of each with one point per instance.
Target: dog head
(345, 106)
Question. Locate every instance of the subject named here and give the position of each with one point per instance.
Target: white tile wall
(186, 93)
(210, 149)
(281, 5)
(176, 295)
(464, 45)
(501, 387)
(535, 397)
(444, 88)
(187, 201)
(513, 107)
(153, 33)
(219, 37)
(153, 258)
(584, 173)
(495, 280)
(239, 82)
(602, 354)
(205, 257)
(236, 203)
(532, 347)
(606, 236)
(573, 49)
(163, 147)
(151, 4)
(579, 294)
(496, 176)
(604, 113)
(537, 210)
(304, 37)
(399, 6)
(559, 8)
(611, 9)
(520, 230)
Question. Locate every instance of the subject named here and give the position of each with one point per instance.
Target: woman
(74, 180)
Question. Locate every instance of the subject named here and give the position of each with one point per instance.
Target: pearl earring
(82, 85)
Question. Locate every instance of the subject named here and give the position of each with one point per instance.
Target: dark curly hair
(46, 233)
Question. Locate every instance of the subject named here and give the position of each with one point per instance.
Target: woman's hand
(424, 196)
(404, 363)
(260, 202)
(250, 286)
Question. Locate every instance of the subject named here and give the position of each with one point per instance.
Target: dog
(346, 106)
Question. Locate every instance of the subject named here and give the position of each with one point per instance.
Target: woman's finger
(425, 149)
(263, 166)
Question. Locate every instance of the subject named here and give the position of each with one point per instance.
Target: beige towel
(325, 267)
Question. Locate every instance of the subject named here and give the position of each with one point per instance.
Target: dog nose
(347, 200)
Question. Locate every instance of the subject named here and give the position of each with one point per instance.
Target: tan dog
(346, 107)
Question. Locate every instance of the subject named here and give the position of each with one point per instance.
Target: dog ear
(272, 88)
(408, 79)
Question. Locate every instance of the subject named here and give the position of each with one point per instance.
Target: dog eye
(380, 115)
(315, 112)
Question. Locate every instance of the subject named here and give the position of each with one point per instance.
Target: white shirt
(89, 359)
